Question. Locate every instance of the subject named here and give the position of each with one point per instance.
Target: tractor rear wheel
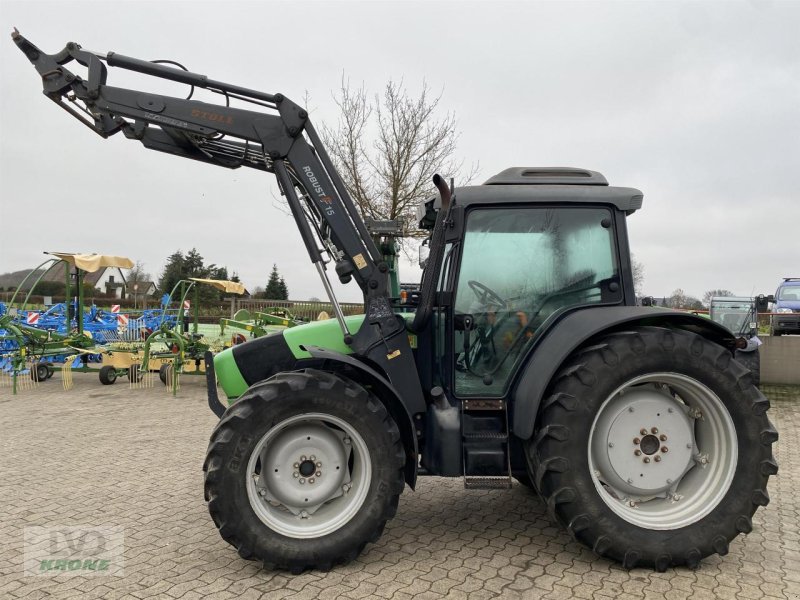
(653, 448)
(303, 470)
(751, 360)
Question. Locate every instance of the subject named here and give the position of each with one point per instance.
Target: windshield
(789, 292)
(735, 314)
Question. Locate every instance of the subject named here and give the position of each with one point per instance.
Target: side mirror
(424, 252)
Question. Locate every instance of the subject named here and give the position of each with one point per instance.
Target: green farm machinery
(174, 346)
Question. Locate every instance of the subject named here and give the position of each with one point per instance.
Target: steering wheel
(485, 293)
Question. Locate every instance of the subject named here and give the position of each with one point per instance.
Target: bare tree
(388, 148)
(677, 299)
(711, 293)
(134, 279)
(137, 274)
(637, 267)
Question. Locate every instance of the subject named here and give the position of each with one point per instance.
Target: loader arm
(276, 136)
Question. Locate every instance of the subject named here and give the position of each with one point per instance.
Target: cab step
(473, 482)
(497, 436)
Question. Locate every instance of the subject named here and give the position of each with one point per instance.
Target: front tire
(653, 448)
(303, 470)
(108, 375)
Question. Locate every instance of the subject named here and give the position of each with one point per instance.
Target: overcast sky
(696, 104)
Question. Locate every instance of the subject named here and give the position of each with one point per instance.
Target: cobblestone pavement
(103, 455)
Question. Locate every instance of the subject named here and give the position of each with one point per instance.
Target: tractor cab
(523, 250)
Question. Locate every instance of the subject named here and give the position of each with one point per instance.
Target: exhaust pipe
(444, 191)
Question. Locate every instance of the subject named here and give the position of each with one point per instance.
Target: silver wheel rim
(662, 451)
(295, 501)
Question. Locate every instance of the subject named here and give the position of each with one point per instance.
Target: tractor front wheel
(653, 448)
(303, 470)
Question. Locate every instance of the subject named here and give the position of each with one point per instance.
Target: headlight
(783, 310)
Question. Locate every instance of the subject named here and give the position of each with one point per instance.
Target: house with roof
(140, 288)
(106, 280)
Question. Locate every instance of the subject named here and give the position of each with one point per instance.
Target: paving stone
(108, 455)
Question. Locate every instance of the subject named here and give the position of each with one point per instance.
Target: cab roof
(545, 185)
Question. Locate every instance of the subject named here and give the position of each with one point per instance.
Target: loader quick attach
(639, 429)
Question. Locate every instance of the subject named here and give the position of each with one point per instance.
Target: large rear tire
(751, 360)
(303, 470)
(653, 448)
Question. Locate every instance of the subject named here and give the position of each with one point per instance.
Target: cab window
(519, 267)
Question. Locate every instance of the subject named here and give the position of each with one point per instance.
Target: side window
(519, 267)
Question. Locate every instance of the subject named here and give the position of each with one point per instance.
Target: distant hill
(12, 280)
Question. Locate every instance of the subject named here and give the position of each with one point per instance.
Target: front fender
(574, 330)
(351, 367)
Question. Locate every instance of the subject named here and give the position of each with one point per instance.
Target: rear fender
(352, 368)
(575, 330)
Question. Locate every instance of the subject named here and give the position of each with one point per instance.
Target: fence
(305, 309)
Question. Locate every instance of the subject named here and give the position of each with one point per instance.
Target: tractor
(525, 357)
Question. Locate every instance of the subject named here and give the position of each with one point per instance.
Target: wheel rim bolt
(654, 430)
(312, 458)
(637, 452)
(636, 441)
(302, 458)
(318, 473)
(610, 444)
(296, 474)
(346, 441)
(643, 431)
(630, 480)
(664, 449)
(311, 480)
(647, 459)
(319, 464)
(296, 465)
(302, 480)
(657, 459)
(303, 514)
(662, 437)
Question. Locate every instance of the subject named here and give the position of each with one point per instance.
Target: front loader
(525, 357)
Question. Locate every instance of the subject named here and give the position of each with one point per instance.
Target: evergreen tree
(180, 266)
(173, 272)
(284, 291)
(273, 289)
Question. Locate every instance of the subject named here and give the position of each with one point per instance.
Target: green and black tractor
(525, 357)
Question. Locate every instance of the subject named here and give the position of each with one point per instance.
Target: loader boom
(278, 138)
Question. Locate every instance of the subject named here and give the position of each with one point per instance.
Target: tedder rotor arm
(285, 144)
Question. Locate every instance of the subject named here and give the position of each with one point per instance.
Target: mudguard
(574, 329)
(336, 362)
